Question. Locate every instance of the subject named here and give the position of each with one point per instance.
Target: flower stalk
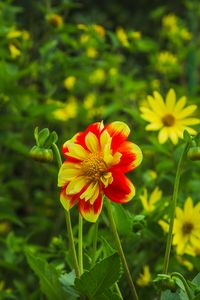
(80, 243)
(173, 209)
(120, 251)
(68, 218)
(187, 289)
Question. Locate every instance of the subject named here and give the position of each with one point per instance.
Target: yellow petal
(163, 135)
(190, 121)
(180, 104)
(92, 142)
(171, 100)
(67, 172)
(91, 193)
(76, 151)
(76, 185)
(154, 126)
(186, 111)
(173, 135)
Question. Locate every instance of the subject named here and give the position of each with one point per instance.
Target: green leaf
(67, 281)
(123, 220)
(95, 282)
(42, 136)
(48, 275)
(108, 295)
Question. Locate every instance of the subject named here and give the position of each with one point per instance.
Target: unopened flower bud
(42, 155)
(194, 153)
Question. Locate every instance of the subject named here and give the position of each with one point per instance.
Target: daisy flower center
(94, 166)
(187, 228)
(168, 120)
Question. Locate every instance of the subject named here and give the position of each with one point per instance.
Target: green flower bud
(42, 155)
(194, 153)
(165, 282)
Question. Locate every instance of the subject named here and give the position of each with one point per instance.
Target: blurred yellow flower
(4, 227)
(149, 203)
(155, 84)
(67, 111)
(69, 82)
(164, 225)
(82, 27)
(170, 118)
(89, 100)
(186, 231)
(135, 35)
(55, 20)
(185, 263)
(113, 72)
(122, 36)
(14, 51)
(145, 277)
(170, 22)
(99, 30)
(84, 38)
(91, 52)
(167, 62)
(185, 34)
(13, 34)
(166, 57)
(98, 76)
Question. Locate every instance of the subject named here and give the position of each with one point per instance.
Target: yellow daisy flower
(170, 117)
(145, 277)
(187, 227)
(149, 203)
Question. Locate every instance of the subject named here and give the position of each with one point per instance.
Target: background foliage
(65, 64)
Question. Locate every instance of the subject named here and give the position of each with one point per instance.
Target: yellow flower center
(187, 228)
(94, 168)
(168, 120)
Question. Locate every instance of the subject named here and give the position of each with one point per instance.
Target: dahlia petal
(91, 212)
(105, 140)
(92, 142)
(76, 185)
(76, 151)
(67, 201)
(186, 111)
(121, 190)
(131, 156)
(91, 192)
(119, 132)
(67, 172)
(163, 135)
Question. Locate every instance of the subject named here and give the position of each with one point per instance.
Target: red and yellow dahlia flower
(96, 161)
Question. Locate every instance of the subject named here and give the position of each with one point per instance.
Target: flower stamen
(187, 228)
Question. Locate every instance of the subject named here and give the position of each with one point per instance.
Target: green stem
(80, 243)
(67, 216)
(57, 155)
(94, 248)
(118, 290)
(187, 289)
(120, 251)
(173, 210)
(71, 242)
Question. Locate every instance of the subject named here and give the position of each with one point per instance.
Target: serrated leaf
(95, 282)
(48, 275)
